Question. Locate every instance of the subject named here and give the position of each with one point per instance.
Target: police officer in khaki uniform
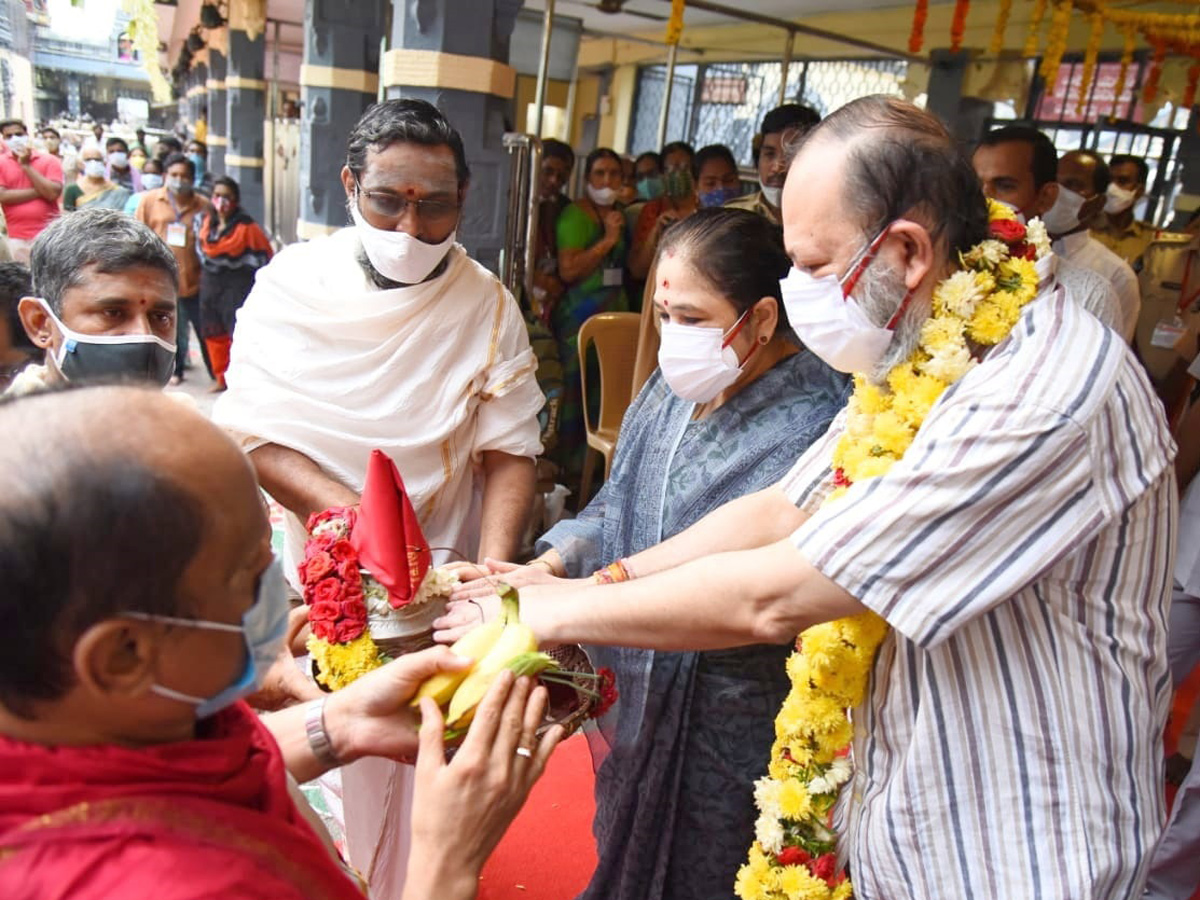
(1168, 328)
(1116, 228)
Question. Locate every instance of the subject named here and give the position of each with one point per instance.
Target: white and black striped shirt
(1010, 745)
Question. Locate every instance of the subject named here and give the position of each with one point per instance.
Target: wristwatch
(318, 737)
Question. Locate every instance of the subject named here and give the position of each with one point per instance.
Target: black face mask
(89, 357)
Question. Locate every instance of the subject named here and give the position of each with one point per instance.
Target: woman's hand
(614, 225)
(461, 809)
(465, 615)
(485, 583)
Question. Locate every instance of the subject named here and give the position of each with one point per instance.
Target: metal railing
(517, 263)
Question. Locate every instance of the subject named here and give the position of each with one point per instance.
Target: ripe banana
(515, 649)
(473, 645)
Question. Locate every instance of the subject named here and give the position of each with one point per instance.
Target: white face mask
(150, 181)
(605, 196)
(119, 159)
(18, 143)
(772, 195)
(93, 168)
(399, 256)
(830, 323)
(697, 361)
(1063, 216)
(1118, 199)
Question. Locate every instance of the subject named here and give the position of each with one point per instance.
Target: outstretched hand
(462, 808)
(462, 616)
(485, 582)
(372, 716)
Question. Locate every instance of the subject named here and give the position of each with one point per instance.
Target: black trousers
(189, 315)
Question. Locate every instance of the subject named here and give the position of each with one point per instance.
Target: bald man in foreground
(139, 586)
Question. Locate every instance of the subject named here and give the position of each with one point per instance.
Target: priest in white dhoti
(386, 335)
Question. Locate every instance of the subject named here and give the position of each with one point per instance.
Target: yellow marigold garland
(1089, 62)
(997, 42)
(1035, 26)
(794, 855)
(1056, 43)
(340, 664)
(1128, 46)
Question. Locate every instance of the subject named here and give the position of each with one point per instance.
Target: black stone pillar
(946, 73)
(245, 92)
(338, 82)
(218, 113)
(454, 54)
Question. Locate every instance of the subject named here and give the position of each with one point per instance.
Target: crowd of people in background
(596, 253)
(217, 244)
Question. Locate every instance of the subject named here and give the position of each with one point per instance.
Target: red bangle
(614, 573)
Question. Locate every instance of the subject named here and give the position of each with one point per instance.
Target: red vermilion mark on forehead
(666, 283)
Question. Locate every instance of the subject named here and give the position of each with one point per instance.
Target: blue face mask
(720, 196)
(263, 628)
(198, 162)
(650, 187)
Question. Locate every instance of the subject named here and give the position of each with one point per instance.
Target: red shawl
(205, 818)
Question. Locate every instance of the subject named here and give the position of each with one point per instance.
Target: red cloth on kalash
(205, 818)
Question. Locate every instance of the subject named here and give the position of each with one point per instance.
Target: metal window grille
(723, 103)
(1109, 124)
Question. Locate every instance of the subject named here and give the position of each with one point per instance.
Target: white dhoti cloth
(433, 375)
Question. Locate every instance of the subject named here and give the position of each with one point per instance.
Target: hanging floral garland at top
(1035, 25)
(917, 36)
(1089, 62)
(1150, 88)
(143, 34)
(958, 25)
(1189, 93)
(1056, 44)
(1126, 61)
(997, 43)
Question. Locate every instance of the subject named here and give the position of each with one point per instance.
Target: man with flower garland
(987, 531)
(1019, 166)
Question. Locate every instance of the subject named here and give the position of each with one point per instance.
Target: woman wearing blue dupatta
(733, 405)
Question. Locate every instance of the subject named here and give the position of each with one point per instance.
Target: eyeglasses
(392, 206)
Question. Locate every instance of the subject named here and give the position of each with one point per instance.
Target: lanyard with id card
(176, 234)
(177, 230)
(1170, 331)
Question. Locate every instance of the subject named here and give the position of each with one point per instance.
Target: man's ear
(348, 181)
(37, 322)
(916, 248)
(115, 658)
(1046, 197)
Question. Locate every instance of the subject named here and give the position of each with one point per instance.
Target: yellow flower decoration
(340, 664)
(832, 665)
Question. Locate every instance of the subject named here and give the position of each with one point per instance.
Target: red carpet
(548, 853)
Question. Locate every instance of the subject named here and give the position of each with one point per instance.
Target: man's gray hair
(107, 239)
